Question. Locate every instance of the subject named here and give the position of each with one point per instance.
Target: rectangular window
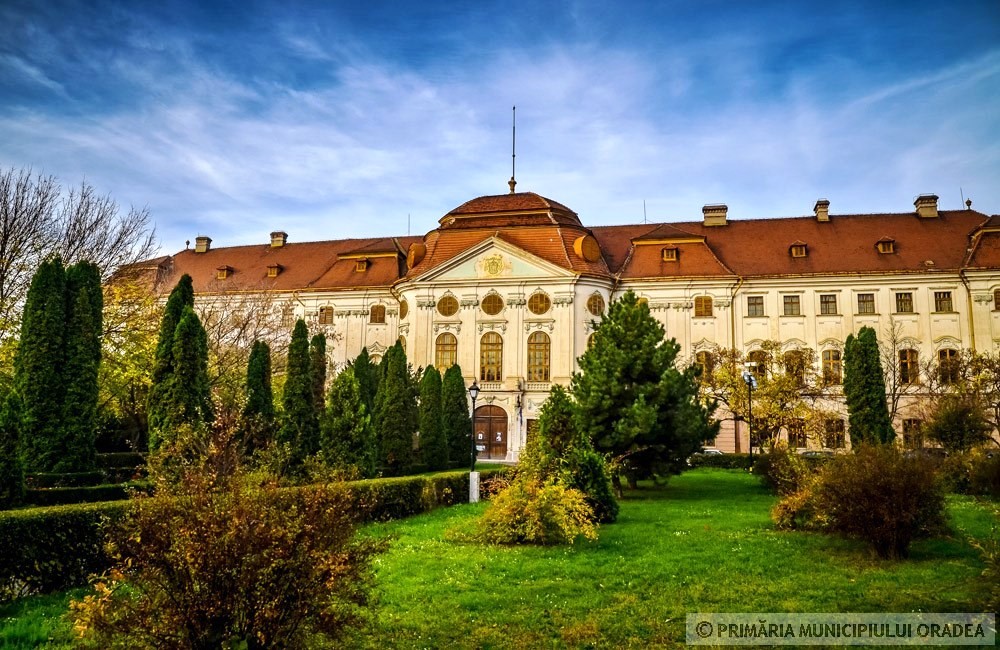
(866, 303)
(904, 303)
(828, 303)
(792, 306)
(996, 300)
(326, 315)
(703, 307)
(797, 435)
(755, 305)
(909, 371)
(834, 430)
(913, 437)
(942, 301)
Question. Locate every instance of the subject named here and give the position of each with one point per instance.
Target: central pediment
(493, 259)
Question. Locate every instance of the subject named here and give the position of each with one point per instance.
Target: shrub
(972, 472)
(782, 470)
(236, 565)
(882, 497)
(721, 461)
(989, 550)
(530, 512)
(85, 494)
(985, 476)
(64, 479)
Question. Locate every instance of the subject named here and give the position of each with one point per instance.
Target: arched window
(703, 307)
(706, 360)
(795, 366)
(539, 303)
(758, 364)
(909, 371)
(448, 306)
(948, 366)
(404, 309)
(590, 341)
(445, 351)
(492, 304)
(377, 314)
(833, 372)
(491, 357)
(402, 342)
(595, 304)
(539, 353)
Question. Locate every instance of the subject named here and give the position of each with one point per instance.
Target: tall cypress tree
(187, 395)
(367, 375)
(317, 360)
(346, 437)
(864, 390)
(180, 297)
(433, 444)
(299, 424)
(456, 424)
(258, 414)
(84, 323)
(38, 369)
(396, 417)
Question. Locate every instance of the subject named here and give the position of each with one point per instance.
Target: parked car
(705, 452)
(817, 453)
(936, 454)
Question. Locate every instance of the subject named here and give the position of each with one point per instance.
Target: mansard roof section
(291, 266)
(985, 250)
(509, 210)
(554, 244)
(668, 251)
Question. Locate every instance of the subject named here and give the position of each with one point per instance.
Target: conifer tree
(456, 424)
(367, 375)
(346, 437)
(632, 400)
(396, 417)
(180, 297)
(38, 369)
(433, 444)
(258, 414)
(317, 359)
(11, 465)
(864, 390)
(299, 424)
(84, 322)
(187, 395)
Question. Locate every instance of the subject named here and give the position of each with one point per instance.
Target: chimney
(202, 244)
(279, 238)
(926, 205)
(822, 210)
(715, 215)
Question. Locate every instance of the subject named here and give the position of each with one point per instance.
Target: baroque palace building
(509, 287)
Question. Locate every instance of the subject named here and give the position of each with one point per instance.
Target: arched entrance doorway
(491, 433)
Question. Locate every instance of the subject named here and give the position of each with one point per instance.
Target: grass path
(703, 542)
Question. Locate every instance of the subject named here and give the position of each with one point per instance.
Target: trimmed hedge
(722, 461)
(70, 479)
(120, 459)
(93, 494)
(58, 547)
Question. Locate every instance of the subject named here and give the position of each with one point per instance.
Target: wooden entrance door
(491, 432)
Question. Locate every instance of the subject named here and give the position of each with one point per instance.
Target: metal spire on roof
(513, 148)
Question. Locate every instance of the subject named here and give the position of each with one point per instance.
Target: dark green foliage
(84, 494)
(433, 444)
(65, 479)
(186, 398)
(881, 496)
(346, 437)
(317, 360)
(456, 423)
(46, 549)
(258, 414)
(367, 376)
(396, 414)
(782, 470)
(38, 367)
(299, 424)
(559, 452)
(864, 391)
(632, 400)
(721, 461)
(163, 365)
(11, 466)
(84, 325)
(959, 423)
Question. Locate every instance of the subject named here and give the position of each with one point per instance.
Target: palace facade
(510, 286)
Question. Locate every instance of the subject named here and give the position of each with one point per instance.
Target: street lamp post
(473, 474)
(751, 382)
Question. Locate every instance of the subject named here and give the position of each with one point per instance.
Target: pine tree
(258, 414)
(456, 424)
(632, 400)
(317, 359)
(864, 390)
(346, 437)
(38, 369)
(299, 424)
(187, 395)
(163, 366)
(84, 322)
(396, 415)
(433, 444)
(367, 375)
(11, 465)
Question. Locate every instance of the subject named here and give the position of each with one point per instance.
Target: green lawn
(703, 542)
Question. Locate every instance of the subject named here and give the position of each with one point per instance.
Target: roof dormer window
(886, 245)
(798, 249)
(361, 266)
(273, 270)
(669, 254)
(223, 272)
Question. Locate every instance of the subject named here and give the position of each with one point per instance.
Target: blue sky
(339, 119)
